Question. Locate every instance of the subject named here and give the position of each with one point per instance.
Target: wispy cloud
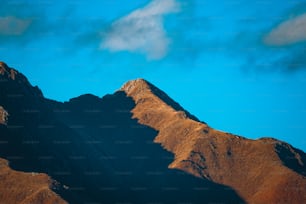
(11, 25)
(285, 44)
(20, 22)
(288, 32)
(142, 31)
(280, 48)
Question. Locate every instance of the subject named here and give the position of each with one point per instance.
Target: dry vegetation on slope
(25, 188)
(261, 171)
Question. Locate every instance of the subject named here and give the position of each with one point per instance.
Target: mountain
(261, 171)
(134, 146)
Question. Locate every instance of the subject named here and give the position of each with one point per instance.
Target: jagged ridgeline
(136, 146)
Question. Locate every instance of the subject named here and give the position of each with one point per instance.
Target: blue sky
(238, 65)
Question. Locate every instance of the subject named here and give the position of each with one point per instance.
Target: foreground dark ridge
(108, 150)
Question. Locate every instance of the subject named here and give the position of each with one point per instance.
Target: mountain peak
(8, 72)
(15, 83)
(137, 85)
(142, 90)
(3, 65)
(221, 157)
(260, 171)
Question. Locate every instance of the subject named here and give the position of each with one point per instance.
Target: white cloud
(142, 31)
(288, 32)
(11, 25)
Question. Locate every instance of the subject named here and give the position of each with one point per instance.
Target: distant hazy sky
(238, 65)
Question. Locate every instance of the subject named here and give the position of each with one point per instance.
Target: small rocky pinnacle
(136, 87)
(6, 71)
(3, 116)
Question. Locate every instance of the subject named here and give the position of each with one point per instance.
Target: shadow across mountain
(97, 151)
(293, 161)
(169, 101)
(100, 154)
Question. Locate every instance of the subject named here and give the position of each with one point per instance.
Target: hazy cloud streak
(11, 25)
(142, 31)
(288, 32)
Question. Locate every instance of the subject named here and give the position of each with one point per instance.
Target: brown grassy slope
(25, 188)
(252, 167)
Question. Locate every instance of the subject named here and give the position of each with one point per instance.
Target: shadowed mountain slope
(139, 146)
(261, 171)
(94, 148)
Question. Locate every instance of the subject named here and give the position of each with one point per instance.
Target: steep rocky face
(262, 171)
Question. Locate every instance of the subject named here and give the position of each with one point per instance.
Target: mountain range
(134, 146)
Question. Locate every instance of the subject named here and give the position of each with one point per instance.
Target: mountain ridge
(131, 125)
(208, 151)
(144, 84)
(96, 150)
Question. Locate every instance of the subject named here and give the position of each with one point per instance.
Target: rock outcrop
(3, 116)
